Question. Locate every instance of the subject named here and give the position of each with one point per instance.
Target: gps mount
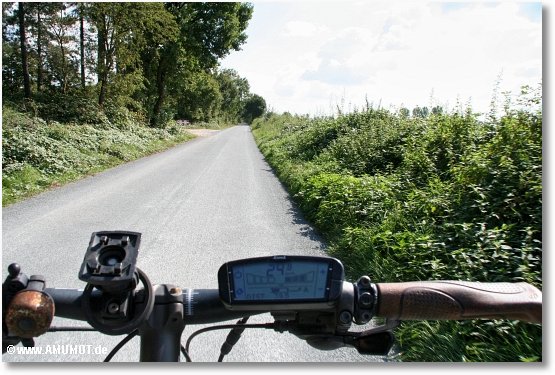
(109, 266)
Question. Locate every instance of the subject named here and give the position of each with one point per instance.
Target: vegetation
(254, 107)
(89, 85)
(407, 195)
(430, 196)
(159, 60)
(37, 155)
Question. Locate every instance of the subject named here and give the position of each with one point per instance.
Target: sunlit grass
(427, 197)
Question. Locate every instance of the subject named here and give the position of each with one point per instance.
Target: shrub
(442, 196)
(37, 154)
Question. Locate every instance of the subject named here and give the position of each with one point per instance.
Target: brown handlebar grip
(459, 300)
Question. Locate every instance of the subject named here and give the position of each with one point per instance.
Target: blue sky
(311, 56)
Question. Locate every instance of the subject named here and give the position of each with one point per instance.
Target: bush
(75, 107)
(442, 196)
(37, 154)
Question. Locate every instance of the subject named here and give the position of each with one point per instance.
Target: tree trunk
(161, 90)
(102, 72)
(24, 58)
(82, 46)
(39, 49)
(102, 96)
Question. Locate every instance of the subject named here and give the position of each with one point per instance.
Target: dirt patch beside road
(203, 132)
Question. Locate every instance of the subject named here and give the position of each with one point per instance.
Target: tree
(153, 58)
(212, 30)
(49, 45)
(39, 26)
(207, 32)
(81, 14)
(106, 17)
(62, 53)
(234, 91)
(122, 32)
(24, 57)
(159, 59)
(39, 19)
(255, 106)
(200, 99)
(11, 56)
(437, 110)
(421, 112)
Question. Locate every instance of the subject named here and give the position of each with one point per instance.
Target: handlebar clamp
(109, 265)
(366, 300)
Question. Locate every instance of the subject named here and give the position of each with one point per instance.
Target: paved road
(198, 205)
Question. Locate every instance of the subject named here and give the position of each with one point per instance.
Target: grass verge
(37, 156)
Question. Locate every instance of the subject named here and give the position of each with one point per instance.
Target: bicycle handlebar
(418, 300)
(324, 328)
(458, 300)
(200, 306)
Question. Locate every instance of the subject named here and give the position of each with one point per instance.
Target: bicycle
(307, 296)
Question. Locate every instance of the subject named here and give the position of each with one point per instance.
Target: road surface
(198, 205)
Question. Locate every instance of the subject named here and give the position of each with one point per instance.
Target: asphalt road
(198, 205)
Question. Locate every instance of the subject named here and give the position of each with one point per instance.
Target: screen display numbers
(280, 281)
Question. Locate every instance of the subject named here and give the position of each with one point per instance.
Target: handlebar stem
(161, 332)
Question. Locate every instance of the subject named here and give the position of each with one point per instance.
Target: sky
(312, 57)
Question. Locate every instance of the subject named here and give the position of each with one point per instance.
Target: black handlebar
(200, 306)
(114, 304)
(171, 308)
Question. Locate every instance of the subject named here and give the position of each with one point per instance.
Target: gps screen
(280, 280)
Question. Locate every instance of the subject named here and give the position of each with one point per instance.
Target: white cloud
(302, 56)
(301, 29)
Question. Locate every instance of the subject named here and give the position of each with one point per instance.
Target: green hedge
(447, 196)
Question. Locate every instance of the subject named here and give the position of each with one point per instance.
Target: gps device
(281, 283)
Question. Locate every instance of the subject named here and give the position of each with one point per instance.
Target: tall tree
(200, 99)
(81, 12)
(155, 58)
(11, 59)
(62, 52)
(123, 29)
(208, 32)
(24, 55)
(105, 16)
(255, 106)
(39, 24)
(234, 90)
(39, 48)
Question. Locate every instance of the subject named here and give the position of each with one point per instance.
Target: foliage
(37, 155)
(206, 32)
(200, 99)
(234, 91)
(158, 60)
(254, 107)
(434, 195)
(98, 73)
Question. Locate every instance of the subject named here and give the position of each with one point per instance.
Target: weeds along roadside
(435, 196)
(38, 155)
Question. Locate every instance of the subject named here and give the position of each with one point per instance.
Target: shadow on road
(297, 218)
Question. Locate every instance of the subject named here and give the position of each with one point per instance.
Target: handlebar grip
(459, 300)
